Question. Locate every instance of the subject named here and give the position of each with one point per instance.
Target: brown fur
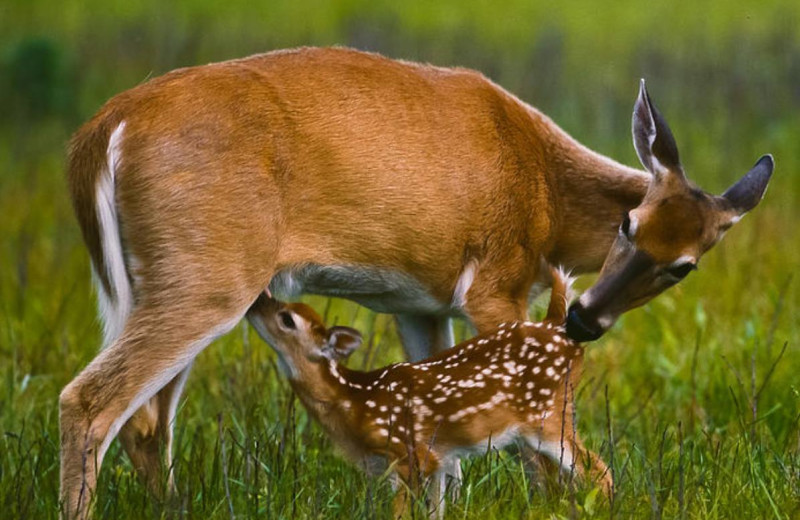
(663, 238)
(416, 415)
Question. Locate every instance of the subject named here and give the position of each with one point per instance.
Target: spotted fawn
(512, 384)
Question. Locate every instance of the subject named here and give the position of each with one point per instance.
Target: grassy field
(692, 400)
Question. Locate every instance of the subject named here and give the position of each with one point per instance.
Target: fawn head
(661, 241)
(298, 335)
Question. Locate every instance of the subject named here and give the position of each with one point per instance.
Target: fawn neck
(326, 392)
(319, 385)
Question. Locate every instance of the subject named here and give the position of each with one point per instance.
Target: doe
(512, 384)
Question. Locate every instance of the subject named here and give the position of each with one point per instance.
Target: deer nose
(581, 328)
(264, 304)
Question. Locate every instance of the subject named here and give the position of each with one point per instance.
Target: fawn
(512, 384)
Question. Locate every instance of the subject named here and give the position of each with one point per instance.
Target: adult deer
(416, 190)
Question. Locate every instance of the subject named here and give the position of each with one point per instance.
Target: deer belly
(496, 441)
(382, 290)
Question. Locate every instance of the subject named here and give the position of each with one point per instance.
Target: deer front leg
(416, 471)
(424, 335)
(499, 292)
(449, 472)
(407, 487)
(488, 310)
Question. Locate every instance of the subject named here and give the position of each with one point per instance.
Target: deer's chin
(580, 328)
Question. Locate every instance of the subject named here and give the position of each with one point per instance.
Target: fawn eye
(625, 227)
(287, 321)
(680, 271)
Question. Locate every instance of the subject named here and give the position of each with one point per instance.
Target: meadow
(692, 400)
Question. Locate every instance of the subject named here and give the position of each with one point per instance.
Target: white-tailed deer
(511, 384)
(661, 240)
(417, 190)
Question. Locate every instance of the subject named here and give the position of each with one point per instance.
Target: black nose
(579, 329)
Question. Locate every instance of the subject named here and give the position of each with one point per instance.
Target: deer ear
(653, 139)
(342, 341)
(749, 190)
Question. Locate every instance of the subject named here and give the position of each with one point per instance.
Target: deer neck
(320, 386)
(326, 392)
(593, 193)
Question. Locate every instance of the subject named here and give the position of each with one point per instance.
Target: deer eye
(287, 320)
(625, 227)
(680, 271)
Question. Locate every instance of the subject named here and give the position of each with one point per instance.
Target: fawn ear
(653, 139)
(342, 341)
(749, 190)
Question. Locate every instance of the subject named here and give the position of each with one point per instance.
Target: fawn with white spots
(512, 384)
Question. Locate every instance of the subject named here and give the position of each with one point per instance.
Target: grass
(698, 420)
(693, 399)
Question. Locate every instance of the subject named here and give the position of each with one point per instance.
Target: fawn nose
(581, 327)
(263, 305)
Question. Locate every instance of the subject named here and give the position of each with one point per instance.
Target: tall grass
(693, 399)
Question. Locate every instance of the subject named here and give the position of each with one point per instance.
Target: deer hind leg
(156, 345)
(147, 436)
(445, 483)
(566, 455)
(591, 468)
(424, 335)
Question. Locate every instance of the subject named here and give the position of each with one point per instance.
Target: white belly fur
(381, 290)
(495, 442)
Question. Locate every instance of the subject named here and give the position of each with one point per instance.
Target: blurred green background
(685, 369)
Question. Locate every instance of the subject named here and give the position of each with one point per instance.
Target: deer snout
(581, 326)
(263, 307)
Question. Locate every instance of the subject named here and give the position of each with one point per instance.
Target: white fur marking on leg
(180, 363)
(463, 284)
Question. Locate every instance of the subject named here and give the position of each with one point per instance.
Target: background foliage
(687, 398)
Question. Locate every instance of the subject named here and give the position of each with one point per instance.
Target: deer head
(662, 240)
(298, 335)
